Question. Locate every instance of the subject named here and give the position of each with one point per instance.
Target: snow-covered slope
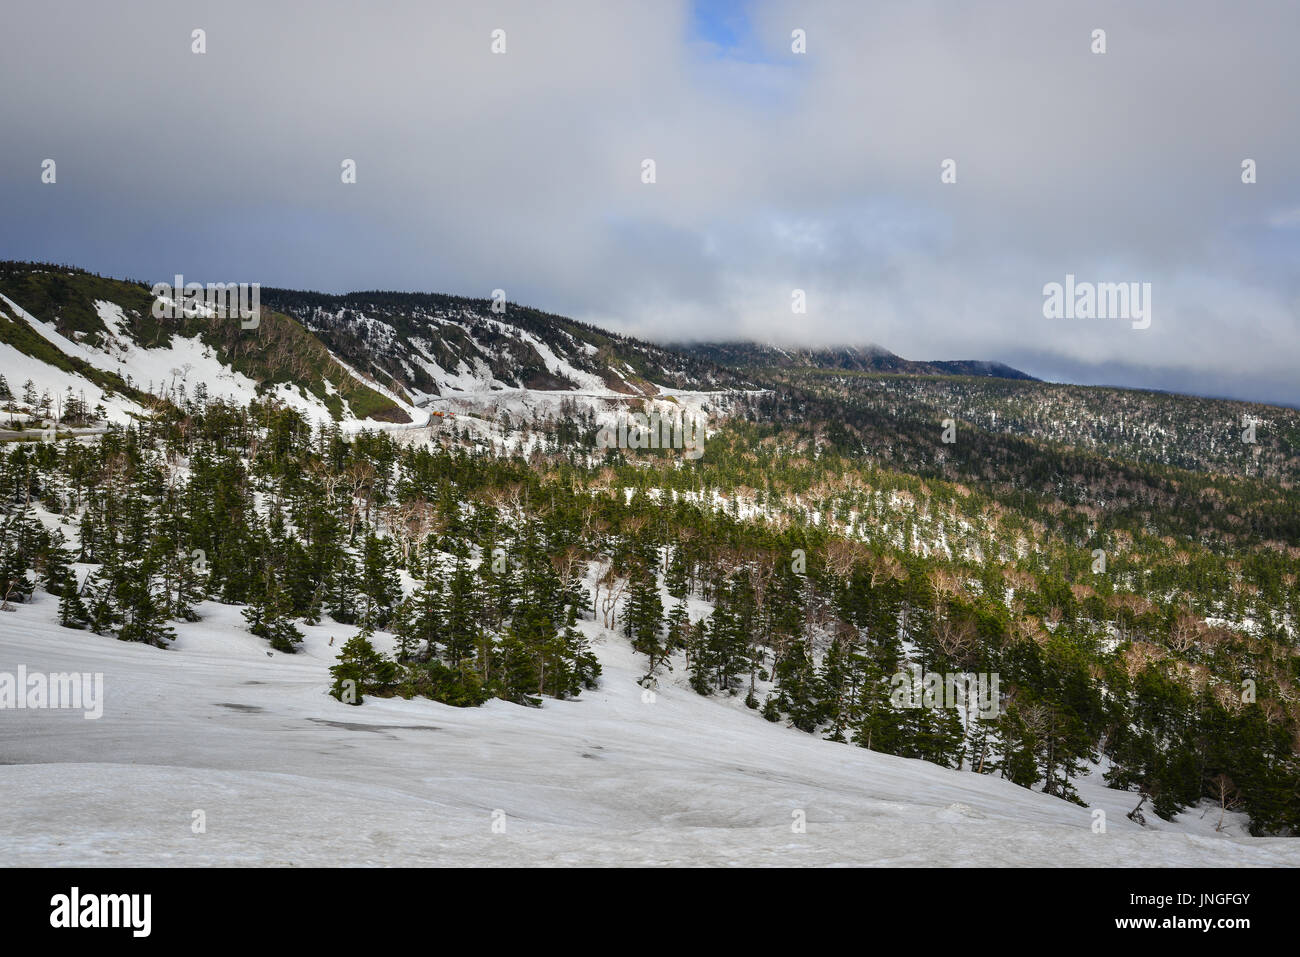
(373, 360)
(432, 345)
(182, 364)
(76, 336)
(285, 775)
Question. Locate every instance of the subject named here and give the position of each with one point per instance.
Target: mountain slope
(753, 355)
(372, 357)
(428, 346)
(69, 331)
(827, 540)
(287, 776)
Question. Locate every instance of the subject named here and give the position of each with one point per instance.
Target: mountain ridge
(378, 357)
(750, 354)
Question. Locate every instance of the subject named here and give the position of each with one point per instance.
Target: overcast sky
(775, 170)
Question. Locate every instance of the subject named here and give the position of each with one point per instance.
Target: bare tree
(1185, 633)
(1136, 815)
(1228, 796)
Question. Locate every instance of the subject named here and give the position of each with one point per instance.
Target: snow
(17, 367)
(183, 362)
(471, 390)
(285, 775)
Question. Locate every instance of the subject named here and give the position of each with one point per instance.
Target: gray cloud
(775, 171)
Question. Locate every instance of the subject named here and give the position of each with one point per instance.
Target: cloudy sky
(774, 170)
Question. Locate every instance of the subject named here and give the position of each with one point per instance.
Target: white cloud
(819, 172)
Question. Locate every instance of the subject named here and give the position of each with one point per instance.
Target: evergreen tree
(797, 681)
(679, 627)
(378, 586)
(463, 633)
(643, 618)
(341, 593)
(419, 621)
(361, 670)
(675, 575)
(72, 610)
(268, 616)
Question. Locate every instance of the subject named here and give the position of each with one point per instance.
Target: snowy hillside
(285, 775)
(67, 335)
(491, 492)
(369, 360)
(432, 345)
(179, 367)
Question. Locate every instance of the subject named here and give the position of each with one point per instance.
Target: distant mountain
(427, 345)
(93, 341)
(753, 355)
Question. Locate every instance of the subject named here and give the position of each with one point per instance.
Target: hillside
(286, 776)
(1125, 564)
(75, 334)
(753, 355)
(431, 346)
(363, 357)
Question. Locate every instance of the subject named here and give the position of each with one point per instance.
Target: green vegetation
(1125, 563)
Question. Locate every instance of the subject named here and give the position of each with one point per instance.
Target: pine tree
(643, 618)
(283, 634)
(15, 585)
(361, 670)
(581, 669)
(268, 617)
(699, 658)
(72, 610)
(798, 687)
(463, 632)
(341, 599)
(727, 641)
(58, 568)
(61, 580)
(877, 725)
(979, 738)
(838, 681)
(519, 653)
(497, 586)
(102, 613)
(675, 575)
(419, 621)
(141, 613)
(679, 627)
(378, 587)
(1016, 747)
